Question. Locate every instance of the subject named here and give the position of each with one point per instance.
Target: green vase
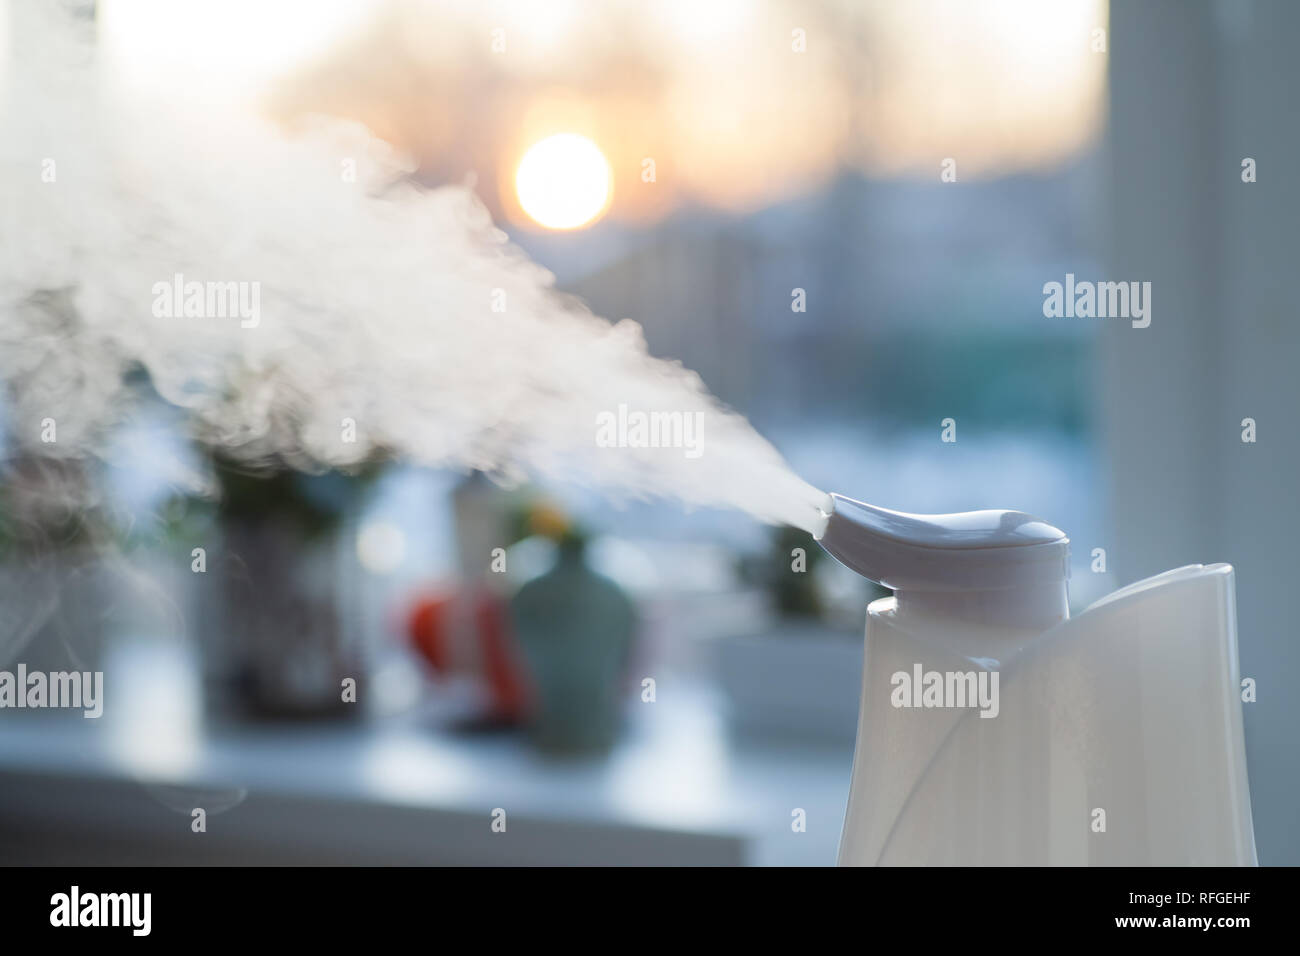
(575, 628)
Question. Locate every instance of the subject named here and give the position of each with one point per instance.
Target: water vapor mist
(335, 291)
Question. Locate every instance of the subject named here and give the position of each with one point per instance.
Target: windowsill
(676, 790)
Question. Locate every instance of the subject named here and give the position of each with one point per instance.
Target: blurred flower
(549, 521)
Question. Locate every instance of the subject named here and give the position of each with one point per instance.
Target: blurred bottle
(576, 630)
(465, 630)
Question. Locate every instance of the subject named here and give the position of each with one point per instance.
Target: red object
(490, 655)
(427, 633)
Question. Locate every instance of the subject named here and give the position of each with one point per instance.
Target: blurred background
(842, 216)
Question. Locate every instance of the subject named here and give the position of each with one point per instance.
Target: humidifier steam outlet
(1001, 565)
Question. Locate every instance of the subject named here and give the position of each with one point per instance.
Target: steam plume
(374, 298)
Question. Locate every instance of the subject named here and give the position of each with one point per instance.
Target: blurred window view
(841, 214)
(850, 248)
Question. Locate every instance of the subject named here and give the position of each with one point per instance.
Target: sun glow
(564, 181)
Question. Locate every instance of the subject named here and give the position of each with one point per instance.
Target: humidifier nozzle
(966, 551)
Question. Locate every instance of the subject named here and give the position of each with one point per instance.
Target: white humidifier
(995, 729)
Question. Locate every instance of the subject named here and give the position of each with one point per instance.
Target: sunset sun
(564, 181)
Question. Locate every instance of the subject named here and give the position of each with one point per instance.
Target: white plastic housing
(1118, 737)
